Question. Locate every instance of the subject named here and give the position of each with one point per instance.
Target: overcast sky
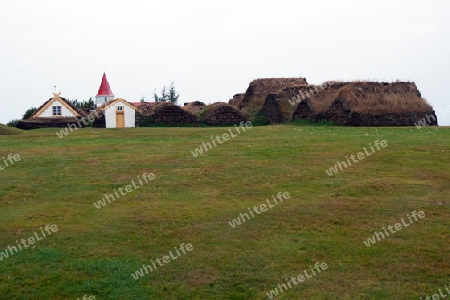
(213, 49)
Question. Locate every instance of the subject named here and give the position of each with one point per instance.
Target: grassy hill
(6, 130)
(192, 200)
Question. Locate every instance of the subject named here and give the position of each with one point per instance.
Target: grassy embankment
(192, 200)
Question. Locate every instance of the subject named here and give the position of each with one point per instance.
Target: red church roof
(104, 89)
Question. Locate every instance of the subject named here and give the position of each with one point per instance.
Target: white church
(118, 112)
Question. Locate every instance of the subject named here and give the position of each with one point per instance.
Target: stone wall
(272, 110)
(340, 114)
(304, 110)
(356, 119)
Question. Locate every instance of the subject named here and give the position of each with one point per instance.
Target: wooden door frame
(121, 115)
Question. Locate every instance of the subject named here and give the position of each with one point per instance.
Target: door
(120, 117)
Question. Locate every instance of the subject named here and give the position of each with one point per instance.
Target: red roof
(104, 89)
(137, 104)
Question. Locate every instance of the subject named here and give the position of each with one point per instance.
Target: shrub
(29, 113)
(258, 118)
(12, 123)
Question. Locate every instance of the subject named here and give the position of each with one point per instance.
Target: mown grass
(192, 200)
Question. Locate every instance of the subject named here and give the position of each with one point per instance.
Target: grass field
(192, 200)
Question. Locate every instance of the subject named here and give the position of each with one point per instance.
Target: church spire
(104, 92)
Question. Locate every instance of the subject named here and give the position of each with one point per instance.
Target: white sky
(213, 49)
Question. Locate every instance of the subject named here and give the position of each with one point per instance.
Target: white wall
(48, 113)
(110, 115)
(99, 100)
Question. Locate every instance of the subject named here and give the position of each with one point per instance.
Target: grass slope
(192, 200)
(6, 130)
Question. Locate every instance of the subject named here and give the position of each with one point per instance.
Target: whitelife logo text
(49, 229)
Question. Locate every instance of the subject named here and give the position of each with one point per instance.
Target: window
(56, 110)
(119, 108)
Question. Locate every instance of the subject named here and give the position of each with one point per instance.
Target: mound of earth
(7, 130)
(358, 103)
(194, 108)
(165, 113)
(236, 100)
(259, 89)
(221, 113)
(372, 104)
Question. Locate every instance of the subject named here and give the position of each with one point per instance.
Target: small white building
(119, 114)
(104, 92)
(55, 112)
(57, 107)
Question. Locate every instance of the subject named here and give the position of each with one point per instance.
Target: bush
(258, 118)
(89, 104)
(29, 113)
(12, 123)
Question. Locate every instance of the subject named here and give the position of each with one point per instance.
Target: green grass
(192, 200)
(6, 130)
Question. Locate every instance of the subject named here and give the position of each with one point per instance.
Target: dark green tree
(29, 113)
(173, 95)
(88, 104)
(155, 96)
(164, 96)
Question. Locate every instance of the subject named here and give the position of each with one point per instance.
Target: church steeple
(104, 92)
